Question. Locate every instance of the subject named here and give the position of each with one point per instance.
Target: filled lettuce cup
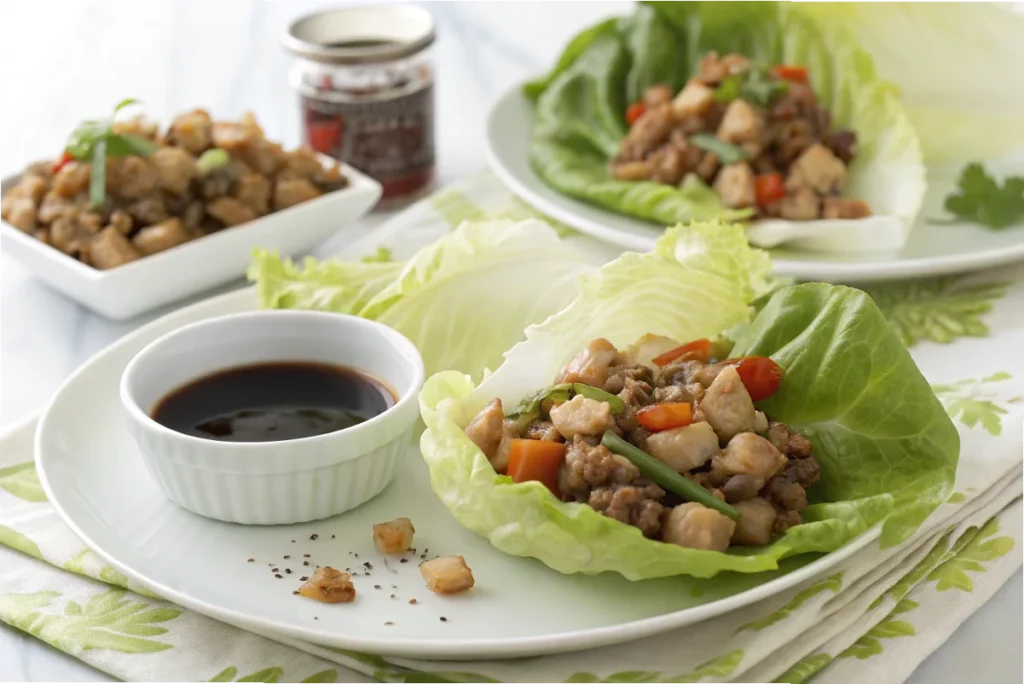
(655, 426)
(761, 112)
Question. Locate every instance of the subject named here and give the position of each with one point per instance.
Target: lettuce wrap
(580, 116)
(886, 447)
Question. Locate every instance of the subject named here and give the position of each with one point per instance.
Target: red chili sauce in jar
(366, 86)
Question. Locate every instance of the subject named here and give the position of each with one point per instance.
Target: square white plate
(198, 265)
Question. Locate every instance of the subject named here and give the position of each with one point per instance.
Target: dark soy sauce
(272, 402)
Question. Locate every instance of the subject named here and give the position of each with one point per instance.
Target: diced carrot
(534, 459)
(658, 417)
(789, 72)
(698, 350)
(634, 112)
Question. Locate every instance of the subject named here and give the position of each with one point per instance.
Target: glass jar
(365, 80)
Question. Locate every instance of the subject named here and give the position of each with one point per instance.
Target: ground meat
(635, 505)
(786, 520)
(543, 430)
(588, 467)
(677, 373)
(617, 375)
(690, 394)
(787, 441)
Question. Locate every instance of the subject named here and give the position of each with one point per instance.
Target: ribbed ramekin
(268, 483)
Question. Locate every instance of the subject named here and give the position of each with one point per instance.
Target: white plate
(94, 476)
(930, 250)
(198, 265)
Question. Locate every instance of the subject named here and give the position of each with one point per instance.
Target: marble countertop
(62, 61)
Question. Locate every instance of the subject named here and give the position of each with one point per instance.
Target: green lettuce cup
(887, 449)
(579, 116)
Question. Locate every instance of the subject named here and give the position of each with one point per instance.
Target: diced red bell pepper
(658, 417)
(62, 162)
(698, 350)
(760, 375)
(768, 188)
(789, 72)
(634, 112)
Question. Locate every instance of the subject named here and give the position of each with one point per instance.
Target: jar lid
(360, 35)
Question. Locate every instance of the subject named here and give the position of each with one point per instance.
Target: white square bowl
(153, 281)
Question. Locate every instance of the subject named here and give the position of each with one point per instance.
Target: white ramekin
(267, 483)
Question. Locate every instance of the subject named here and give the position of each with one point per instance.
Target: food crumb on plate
(329, 586)
(447, 575)
(388, 623)
(394, 536)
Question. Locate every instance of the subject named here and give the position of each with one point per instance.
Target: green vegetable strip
(727, 152)
(98, 176)
(590, 392)
(661, 474)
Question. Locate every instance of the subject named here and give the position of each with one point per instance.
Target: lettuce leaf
(579, 117)
(462, 300)
(888, 451)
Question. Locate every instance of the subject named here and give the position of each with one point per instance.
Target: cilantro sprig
(756, 85)
(95, 140)
(981, 199)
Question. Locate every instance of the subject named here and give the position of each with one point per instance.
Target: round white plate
(930, 250)
(94, 476)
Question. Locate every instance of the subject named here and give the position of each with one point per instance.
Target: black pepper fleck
(278, 576)
(332, 536)
(388, 623)
(305, 555)
(293, 541)
(303, 579)
(444, 619)
(305, 562)
(394, 586)
(357, 555)
(376, 586)
(287, 571)
(295, 593)
(315, 617)
(368, 565)
(413, 602)
(426, 550)
(251, 560)
(287, 557)
(314, 537)
(393, 596)
(404, 560)
(274, 569)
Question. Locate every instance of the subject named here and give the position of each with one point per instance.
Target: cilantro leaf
(980, 199)
(726, 151)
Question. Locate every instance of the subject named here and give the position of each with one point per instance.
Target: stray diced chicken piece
(845, 208)
(121, 222)
(727, 405)
(800, 205)
(135, 178)
(735, 186)
(754, 527)
(818, 169)
(175, 169)
(192, 130)
(668, 165)
(111, 248)
(304, 162)
(684, 448)
(288, 193)
(502, 455)
(232, 136)
(696, 526)
(394, 536)
(329, 586)
(253, 190)
(631, 170)
(20, 212)
(230, 211)
(693, 100)
(72, 179)
(265, 157)
(591, 365)
(712, 69)
(749, 454)
(656, 95)
(161, 236)
(582, 416)
(742, 125)
(486, 428)
(447, 575)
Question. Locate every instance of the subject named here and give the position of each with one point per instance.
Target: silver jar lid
(361, 35)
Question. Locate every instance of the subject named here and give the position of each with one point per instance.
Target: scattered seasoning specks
(413, 602)
(315, 617)
(279, 576)
(332, 536)
(444, 619)
(305, 562)
(293, 541)
(287, 557)
(376, 586)
(393, 596)
(303, 579)
(295, 593)
(394, 586)
(388, 623)
(404, 560)
(368, 565)
(314, 537)
(305, 555)
(274, 569)
(287, 571)
(251, 560)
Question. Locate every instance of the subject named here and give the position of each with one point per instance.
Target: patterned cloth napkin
(875, 617)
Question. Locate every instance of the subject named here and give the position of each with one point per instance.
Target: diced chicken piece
(148, 210)
(32, 186)
(121, 222)
(735, 185)
(647, 132)
(696, 526)
(304, 162)
(707, 167)
(727, 405)
(192, 130)
(668, 165)
(265, 157)
(656, 95)
(447, 575)
(90, 222)
(137, 126)
(749, 454)
(55, 206)
(288, 193)
(819, 170)
(20, 212)
(110, 248)
(72, 179)
(643, 351)
(502, 455)
(253, 190)
(67, 236)
(587, 467)
(230, 211)
(802, 204)
(543, 430)
(161, 236)
(175, 169)
(713, 69)
(394, 536)
(486, 428)
(754, 527)
(582, 416)
(693, 100)
(742, 125)
(739, 487)
(760, 422)
(135, 178)
(845, 208)
(234, 136)
(329, 586)
(631, 170)
(684, 448)
(591, 366)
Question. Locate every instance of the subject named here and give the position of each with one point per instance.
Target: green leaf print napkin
(874, 617)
